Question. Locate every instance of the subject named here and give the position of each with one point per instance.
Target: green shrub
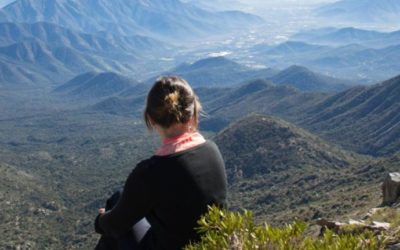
(223, 229)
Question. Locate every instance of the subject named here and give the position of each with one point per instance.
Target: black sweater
(172, 192)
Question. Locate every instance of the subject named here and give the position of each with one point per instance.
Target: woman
(165, 195)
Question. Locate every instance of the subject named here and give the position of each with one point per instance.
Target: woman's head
(171, 101)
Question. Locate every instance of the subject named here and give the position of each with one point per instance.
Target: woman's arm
(136, 201)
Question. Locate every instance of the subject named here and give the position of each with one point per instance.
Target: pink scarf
(180, 143)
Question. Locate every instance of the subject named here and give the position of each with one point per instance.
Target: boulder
(358, 226)
(391, 189)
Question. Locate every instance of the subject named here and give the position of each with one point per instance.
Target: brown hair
(171, 101)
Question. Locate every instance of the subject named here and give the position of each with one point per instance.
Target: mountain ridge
(363, 119)
(216, 72)
(153, 18)
(304, 79)
(371, 11)
(95, 85)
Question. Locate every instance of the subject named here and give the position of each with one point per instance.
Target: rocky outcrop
(353, 226)
(391, 189)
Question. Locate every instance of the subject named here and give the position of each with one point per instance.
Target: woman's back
(186, 183)
(171, 192)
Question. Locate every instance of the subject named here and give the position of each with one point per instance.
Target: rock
(395, 247)
(391, 189)
(383, 226)
(358, 226)
(372, 212)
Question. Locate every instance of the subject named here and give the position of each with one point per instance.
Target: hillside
(362, 119)
(291, 48)
(118, 105)
(282, 171)
(103, 44)
(55, 63)
(27, 206)
(95, 85)
(258, 96)
(306, 80)
(57, 169)
(217, 72)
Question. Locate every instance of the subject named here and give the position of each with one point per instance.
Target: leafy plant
(223, 229)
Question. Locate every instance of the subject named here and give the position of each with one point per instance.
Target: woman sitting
(165, 195)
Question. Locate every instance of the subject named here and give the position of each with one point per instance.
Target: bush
(223, 229)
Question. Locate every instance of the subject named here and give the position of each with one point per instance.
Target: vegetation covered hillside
(281, 171)
(365, 120)
(58, 169)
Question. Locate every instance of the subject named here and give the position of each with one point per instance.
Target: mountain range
(361, 119)
(45, 42)
(39, 61)
(362, 11)
(224, 84)
(155, 18)
(217, 4)
(217, 72)
(47, 53)
(351, 61)
(349, 35)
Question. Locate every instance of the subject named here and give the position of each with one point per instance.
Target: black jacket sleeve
(136, 201)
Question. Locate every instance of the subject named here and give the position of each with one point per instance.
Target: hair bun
(173, 99)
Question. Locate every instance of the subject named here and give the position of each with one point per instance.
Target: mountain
(53, 53)
(5, 2)
(371, 11)
(157, 18)
(218, 5)
(258, 145)
(217, 72)
(12, 74)
(54, 64)
(224, 106)
(95, 85)
(118, 105)
(294, 48)
(349, 35)
(353, 61)
(364, 119)
(281, 171)
(306, 80)
(57, 36)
